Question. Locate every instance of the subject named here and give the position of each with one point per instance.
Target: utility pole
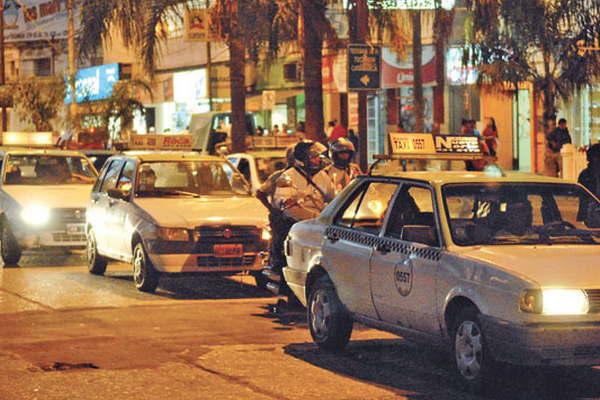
(2, 62)
(71, 58)
(361, 34)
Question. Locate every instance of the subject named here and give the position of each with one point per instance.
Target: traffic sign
(364, 67)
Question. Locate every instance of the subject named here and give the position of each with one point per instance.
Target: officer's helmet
(339, 147)
(309, 155)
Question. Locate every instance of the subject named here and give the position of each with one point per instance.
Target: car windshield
(189, 178)
(521, 213)
(267, 165)
(48, 170)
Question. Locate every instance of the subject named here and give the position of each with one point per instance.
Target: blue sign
(94, 83)
(364, 67)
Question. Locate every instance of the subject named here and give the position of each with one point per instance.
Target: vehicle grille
(594, 299)
(249, 236)
(69, 215)
(66, 238)
(210, 261)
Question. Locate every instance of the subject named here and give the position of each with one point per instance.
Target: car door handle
(383, 248)
(333, 237)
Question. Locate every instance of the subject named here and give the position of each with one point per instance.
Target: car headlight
(35, 215)
(266, 234)
(173, 234)
(555, 302)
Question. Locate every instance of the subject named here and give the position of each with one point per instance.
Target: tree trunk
(442, 30)
(418, 101)
(360, 34)
(312, 46)
(237, 63)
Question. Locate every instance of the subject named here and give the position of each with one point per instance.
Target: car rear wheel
(9, 247)
(145, 276)
(96, 263)
(329, 322)
(471, 355)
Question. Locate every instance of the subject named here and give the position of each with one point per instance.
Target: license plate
(228, 250)
(74, 229)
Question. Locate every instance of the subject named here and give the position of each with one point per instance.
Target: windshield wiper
(177, 192)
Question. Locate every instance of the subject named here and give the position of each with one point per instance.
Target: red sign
(399, 72)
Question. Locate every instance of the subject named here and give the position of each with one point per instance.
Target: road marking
(37, 303)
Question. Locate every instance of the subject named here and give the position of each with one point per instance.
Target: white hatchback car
(43, 194)
(492, 268)
(175, 213)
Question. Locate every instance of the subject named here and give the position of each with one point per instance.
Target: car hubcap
(469, 350)
(320, 314)
(138, 261)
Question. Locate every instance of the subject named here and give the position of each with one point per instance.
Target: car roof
(445, 177)
(47, 152)
(149, 156)
(261, 153)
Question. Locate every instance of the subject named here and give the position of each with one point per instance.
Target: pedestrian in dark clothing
(353, 137)
(555, 140)
(590, 179)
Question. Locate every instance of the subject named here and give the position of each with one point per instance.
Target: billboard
(31, 20)
(94, 83)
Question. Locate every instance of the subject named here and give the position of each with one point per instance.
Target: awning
(254, 103)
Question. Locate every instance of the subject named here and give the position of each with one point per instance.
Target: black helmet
(304, 151)
(593, 153)
(342, 145)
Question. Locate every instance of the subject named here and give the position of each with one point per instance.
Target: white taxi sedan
(43, 194)
(491, 268)
(257, 166)
(174, 213)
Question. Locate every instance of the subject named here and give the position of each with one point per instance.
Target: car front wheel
(329, 322)
(96, 263)
(145, 276)
(471, 355)
(9, 247)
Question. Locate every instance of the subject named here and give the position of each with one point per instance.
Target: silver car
(492, 268)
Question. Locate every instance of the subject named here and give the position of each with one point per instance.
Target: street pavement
(65, 334)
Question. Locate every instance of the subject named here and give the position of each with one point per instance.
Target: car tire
(145, 276)
(9, 247)
(260, 280)
(329, 323)
(472, 358)
(96, 263)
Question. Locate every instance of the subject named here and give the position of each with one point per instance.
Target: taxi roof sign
(160, 142)
(28, 139)
(430, 146)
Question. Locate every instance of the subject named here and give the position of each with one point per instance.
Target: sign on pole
(197, 25)
(364, 67)
(268, 99)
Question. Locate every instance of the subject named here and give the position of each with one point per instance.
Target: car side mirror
(118, 194)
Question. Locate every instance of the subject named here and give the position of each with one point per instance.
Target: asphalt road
(65, 334)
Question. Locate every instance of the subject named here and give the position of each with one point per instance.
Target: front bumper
(550, 344)
(202, 263)
(53, 239)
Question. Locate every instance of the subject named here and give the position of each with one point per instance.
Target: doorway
(522, 131)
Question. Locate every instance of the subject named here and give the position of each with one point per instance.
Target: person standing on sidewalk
(555, 140)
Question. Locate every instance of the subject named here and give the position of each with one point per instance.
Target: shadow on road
(202, 287)
(52, 258)
(424, 373)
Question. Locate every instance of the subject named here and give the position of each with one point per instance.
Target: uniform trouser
(280, 227)
(552, 163)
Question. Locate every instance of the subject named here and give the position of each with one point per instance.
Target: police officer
(301, 192)
(276, 221)
(343, 170)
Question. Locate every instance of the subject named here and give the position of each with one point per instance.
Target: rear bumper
(559, 344)
(202, 263)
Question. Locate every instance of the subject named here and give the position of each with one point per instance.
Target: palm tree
(243, 25)
(442, 29)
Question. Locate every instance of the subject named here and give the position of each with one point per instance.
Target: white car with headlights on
(493, 268)
(43, 195)
(175, 213)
